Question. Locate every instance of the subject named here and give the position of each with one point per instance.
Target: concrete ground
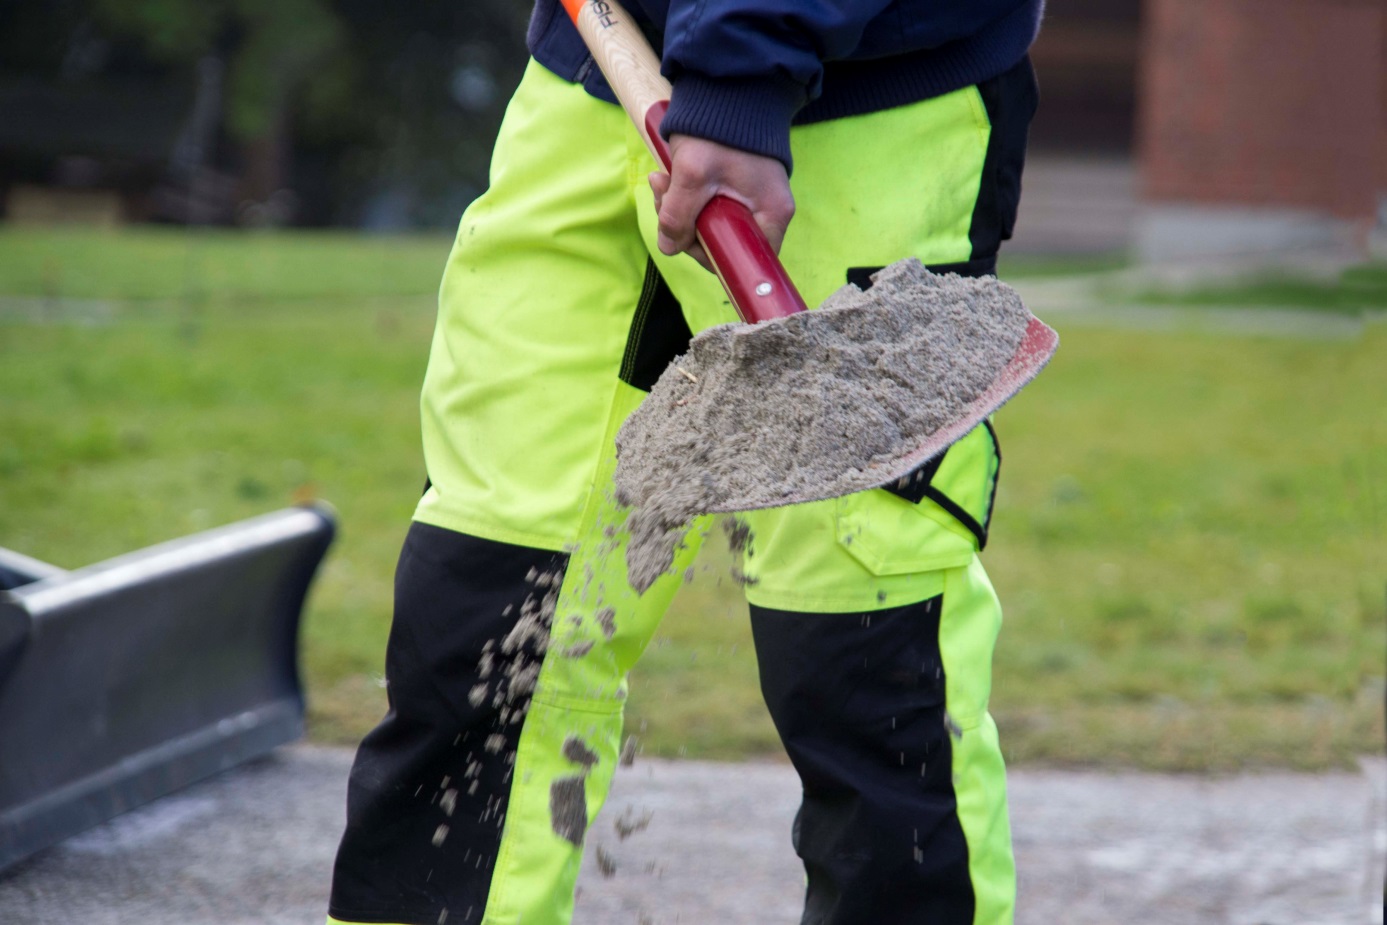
(255, 846)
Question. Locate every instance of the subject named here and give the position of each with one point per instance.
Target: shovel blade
(822, 404)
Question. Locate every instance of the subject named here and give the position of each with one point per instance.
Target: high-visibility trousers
(514, 625)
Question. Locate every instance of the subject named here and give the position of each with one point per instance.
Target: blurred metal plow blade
(125, 680)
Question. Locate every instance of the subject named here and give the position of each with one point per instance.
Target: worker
(857, 134)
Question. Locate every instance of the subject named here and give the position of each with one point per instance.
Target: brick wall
(1265, 102)
(1382, 126)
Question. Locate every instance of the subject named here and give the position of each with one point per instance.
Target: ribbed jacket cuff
(752, 114)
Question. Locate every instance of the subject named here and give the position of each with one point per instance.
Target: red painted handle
(750, 271)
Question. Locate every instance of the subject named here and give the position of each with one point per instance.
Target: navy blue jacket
(744, 70)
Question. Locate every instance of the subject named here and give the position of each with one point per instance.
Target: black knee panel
(859, 702)
(428, 789)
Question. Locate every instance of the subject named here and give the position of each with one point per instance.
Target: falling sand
(816, 405)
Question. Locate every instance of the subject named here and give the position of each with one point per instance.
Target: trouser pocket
(937, 517)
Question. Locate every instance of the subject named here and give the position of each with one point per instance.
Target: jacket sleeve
(741, 69)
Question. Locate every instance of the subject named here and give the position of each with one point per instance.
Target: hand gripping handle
(753, 276)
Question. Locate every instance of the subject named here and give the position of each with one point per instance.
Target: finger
(773, 228)
(679, 208)
(659, 182)
(774, 220)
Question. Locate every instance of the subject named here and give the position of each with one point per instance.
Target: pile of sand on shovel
(816, 405)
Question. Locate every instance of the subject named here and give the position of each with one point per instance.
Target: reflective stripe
(968, 631)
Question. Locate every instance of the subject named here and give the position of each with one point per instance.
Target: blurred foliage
(276, 43)
(390, 110)
(411, 105)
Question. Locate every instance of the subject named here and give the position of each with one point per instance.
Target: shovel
(781, 409)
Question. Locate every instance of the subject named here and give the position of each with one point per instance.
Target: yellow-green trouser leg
(472, 796)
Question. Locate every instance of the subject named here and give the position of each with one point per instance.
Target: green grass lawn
(215, 264)
(1190, 543)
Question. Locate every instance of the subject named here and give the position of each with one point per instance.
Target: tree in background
(271, 48)
(403, 119)
(354, 110)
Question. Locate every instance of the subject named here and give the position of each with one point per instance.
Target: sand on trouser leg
(816, 405)
(568, 807)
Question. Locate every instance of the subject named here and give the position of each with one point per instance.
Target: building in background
(1183, 129)
(1088, 59)
(1262, 126)
(1080, 182)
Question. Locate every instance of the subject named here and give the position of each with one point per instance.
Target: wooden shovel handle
(757, 284)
